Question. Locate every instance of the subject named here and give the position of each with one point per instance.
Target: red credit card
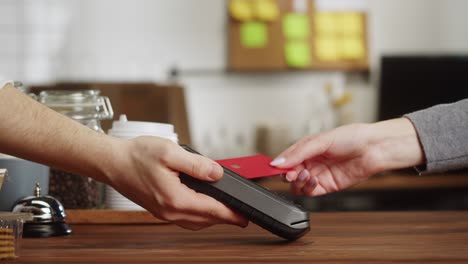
(251, 167)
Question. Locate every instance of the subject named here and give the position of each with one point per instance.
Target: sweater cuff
(442, 132)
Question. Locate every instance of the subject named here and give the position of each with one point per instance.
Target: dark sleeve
(443, 133)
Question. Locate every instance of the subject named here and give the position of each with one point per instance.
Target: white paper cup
(129, 130)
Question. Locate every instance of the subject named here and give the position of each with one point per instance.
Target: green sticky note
(297, 54)
(296, 26)
(253, 34)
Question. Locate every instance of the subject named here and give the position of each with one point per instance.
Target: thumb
(195, 165)
(306, 148)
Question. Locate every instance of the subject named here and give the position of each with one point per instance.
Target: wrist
(114, 159)
(395, 144)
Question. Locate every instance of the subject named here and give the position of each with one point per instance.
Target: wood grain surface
(104, 216)
(395, 237)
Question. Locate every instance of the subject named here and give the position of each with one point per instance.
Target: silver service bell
(48, 215)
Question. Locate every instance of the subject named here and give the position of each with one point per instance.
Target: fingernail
(288, 178)
(216, 172)
(312, 181)
(277, 161)
(303, 175)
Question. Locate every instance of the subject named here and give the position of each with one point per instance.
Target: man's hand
(147, 172)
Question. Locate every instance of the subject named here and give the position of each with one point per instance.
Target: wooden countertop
(411, 237)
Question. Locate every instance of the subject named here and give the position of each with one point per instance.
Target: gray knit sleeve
(443, 133)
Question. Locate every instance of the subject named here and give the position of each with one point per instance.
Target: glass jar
(11, 232)
(87, 107)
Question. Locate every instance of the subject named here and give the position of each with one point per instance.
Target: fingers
(197, 166)
(301, 180)
(310, 186)
(188, 208)
(291, 176)
(320, 181)
(216, 211)
(184, 204)
(307, 148)
(314, 189)
(159, 189)
(191, 225)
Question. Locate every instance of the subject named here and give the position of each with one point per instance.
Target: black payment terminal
(261, 206)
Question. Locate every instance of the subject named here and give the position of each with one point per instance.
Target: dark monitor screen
(410, 83)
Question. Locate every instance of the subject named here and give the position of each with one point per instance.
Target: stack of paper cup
(129, 130)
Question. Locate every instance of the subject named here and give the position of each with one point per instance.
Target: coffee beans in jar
(74, 191)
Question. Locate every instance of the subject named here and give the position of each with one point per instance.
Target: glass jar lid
(78, 104)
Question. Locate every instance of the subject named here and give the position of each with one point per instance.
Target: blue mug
(21, 179)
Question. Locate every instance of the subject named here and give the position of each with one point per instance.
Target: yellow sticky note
(352, 24)
(241, 10)
(352, 48)
(326, 23)
(296, 26)
(266, 10)
(327, 49)
(297, 54)
(253, 34)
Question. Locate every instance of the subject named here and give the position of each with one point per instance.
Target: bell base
(46, 229)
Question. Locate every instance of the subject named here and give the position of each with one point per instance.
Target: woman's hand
(147, 172)
(335, 160)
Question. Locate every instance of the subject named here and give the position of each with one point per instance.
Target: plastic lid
(131, 129)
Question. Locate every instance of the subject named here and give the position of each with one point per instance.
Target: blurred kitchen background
(242, 77)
